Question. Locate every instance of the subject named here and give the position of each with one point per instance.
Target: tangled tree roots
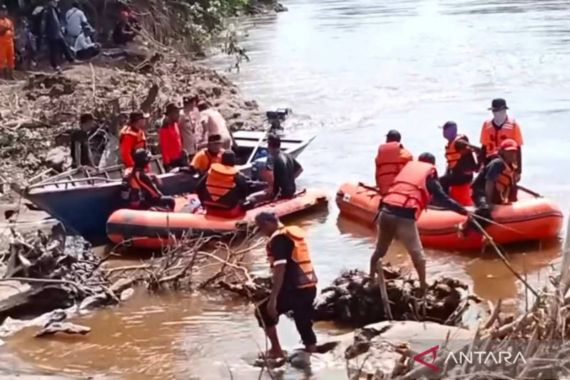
(353, 300)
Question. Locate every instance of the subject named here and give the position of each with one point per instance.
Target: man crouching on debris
(294, 283)
(408, 196)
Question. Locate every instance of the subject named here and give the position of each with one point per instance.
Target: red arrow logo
(433, 351)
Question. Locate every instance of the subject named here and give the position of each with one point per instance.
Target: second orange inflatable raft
(156, 229)
(526, 220)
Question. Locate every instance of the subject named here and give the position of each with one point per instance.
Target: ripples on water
(351, 70)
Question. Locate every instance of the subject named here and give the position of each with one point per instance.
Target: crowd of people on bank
(65, 35)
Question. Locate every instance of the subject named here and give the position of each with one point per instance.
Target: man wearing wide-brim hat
(498, 129)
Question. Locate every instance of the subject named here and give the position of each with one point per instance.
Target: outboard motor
(275, 118)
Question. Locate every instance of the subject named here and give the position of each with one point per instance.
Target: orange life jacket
(453, 155)
(504, 184)
(8, 37)
(138, 134)
(389, 162)
(305, 276)
(492, 137)
(220, 182)
(409, 187)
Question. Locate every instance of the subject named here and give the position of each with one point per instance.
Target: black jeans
(300, 302)
(57, 48)
(163, 202)
(182, 162)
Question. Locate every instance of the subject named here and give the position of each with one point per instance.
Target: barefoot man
(294, 283)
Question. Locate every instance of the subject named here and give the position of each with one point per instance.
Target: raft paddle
(502, 257)
(529, 191)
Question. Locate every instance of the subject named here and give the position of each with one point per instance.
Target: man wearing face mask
(498, 129)
(461, 165)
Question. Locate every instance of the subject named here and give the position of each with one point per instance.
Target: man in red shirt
(170, 141)
(132, 137)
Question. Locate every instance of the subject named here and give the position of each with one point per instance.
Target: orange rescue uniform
(491, 137)
(7, 56)
(204, 159)
(390, 160)
(130, 139)
(409, 188)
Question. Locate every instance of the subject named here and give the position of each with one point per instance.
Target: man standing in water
(494, 131)
(406, 199)
(294, 283)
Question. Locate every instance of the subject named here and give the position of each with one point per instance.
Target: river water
(351, 70)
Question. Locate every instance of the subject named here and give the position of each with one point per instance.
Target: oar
(529, 191)
(502, 256)
(368, 187)
(496, 224)
(256, 147)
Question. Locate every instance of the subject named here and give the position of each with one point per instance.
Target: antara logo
(479, 357)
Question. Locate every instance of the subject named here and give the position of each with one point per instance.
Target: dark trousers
(182, 162)
(88, 53)
(163, 201)
(57, 48)
(300, 302)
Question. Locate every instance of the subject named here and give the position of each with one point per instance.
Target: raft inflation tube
(528, 219)
(156, 229)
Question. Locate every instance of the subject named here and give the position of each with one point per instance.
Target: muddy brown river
(351, 70)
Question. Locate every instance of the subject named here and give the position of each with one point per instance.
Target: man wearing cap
(213, 123)
(293, 286)
(390, 159)
(212, 154)
(79, 142)
(498, 129)
(461, 165)
(170, 141)
(132, 137)
(188, 126)
(408, 196)
(7, 57)
(496, 184)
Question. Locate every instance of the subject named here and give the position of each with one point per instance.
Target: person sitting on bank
(294, 283)
(133, 137)
(173, 155)
(84, 47)
(224, 189)
(408, 196)
(80, 150)
(390, 159)
(126, 29)
(143, 192)
(496, 184)
(212, 154)
(461, 165)
(498, 129)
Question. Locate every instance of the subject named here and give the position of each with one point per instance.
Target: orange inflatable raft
(156, 229)
(527, 219)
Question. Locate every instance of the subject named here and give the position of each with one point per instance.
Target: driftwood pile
(353, 300)
(59, 272)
